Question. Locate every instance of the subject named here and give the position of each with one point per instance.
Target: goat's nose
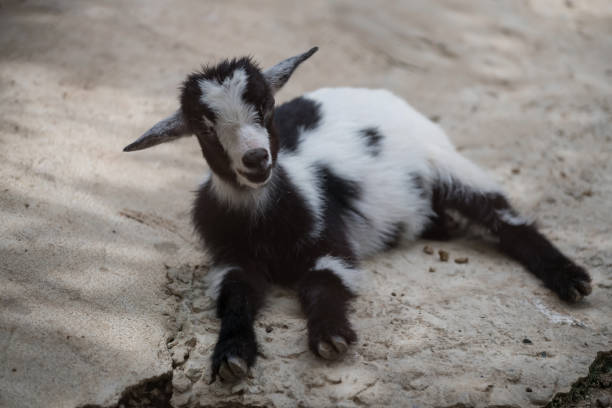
(255, 158)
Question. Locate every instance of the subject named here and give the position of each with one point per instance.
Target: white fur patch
(350, 277)
(214, 280)
(236, 124)
(511, 218)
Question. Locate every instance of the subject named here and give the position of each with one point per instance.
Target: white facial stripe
(225, 99)
(253, 137)
(237, 127)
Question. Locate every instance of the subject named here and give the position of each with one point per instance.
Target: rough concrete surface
(89, 235)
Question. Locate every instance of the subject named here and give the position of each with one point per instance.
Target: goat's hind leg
(324, 293)
(517, 237)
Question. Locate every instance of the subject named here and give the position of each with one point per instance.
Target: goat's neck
(243, 198)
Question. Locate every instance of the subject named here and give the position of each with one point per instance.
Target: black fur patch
(373, 139)
(394, 237)
(340, 193)
(419, 184)
(532, 249)
(293, 117)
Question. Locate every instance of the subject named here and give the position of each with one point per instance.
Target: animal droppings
(443, 255)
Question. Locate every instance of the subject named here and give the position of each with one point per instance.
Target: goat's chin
(254, 182)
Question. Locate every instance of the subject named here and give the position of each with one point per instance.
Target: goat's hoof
(578, 289)
(232, 358)
(572, 283)
(334, 349)
(234, 369)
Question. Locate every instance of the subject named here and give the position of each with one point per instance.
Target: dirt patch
(150, 393)
(594, 390)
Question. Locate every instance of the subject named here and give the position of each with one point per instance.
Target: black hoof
(232, 358)
(333, 350)
(331, 342)
(233, 369)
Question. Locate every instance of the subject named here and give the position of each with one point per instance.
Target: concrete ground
(91, 235)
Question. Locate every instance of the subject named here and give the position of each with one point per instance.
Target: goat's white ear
(166, 130)
(278, 75)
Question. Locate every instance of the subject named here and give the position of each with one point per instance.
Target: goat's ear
(173, 127)
(278, 75)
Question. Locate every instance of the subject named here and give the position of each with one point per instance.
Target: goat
(298, 194)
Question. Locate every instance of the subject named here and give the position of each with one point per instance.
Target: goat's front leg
(240, 295)
(324, 293)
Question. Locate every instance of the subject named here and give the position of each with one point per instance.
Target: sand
(90, 235)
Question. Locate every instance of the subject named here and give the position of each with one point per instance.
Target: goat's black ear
(278, 75)
(173, 127)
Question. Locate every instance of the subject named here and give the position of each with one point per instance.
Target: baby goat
(298, 194)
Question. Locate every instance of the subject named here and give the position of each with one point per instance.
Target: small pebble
(527, 341)
(14, 369)
(528, 389)
(393, 294)
(443, 255)
(462, 260)
(268, 329)
(428, 250)
(432, 269)
(516, 170)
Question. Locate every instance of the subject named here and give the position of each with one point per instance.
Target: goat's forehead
(235, 96)
(230, 88)
(225, 96)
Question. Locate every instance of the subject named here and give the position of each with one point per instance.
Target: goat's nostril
(255, 158)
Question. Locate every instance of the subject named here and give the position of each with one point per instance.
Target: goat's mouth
(256, 177)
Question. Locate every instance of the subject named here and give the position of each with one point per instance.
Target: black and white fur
(298, 194)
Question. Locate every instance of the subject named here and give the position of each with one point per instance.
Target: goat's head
(229, 107)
